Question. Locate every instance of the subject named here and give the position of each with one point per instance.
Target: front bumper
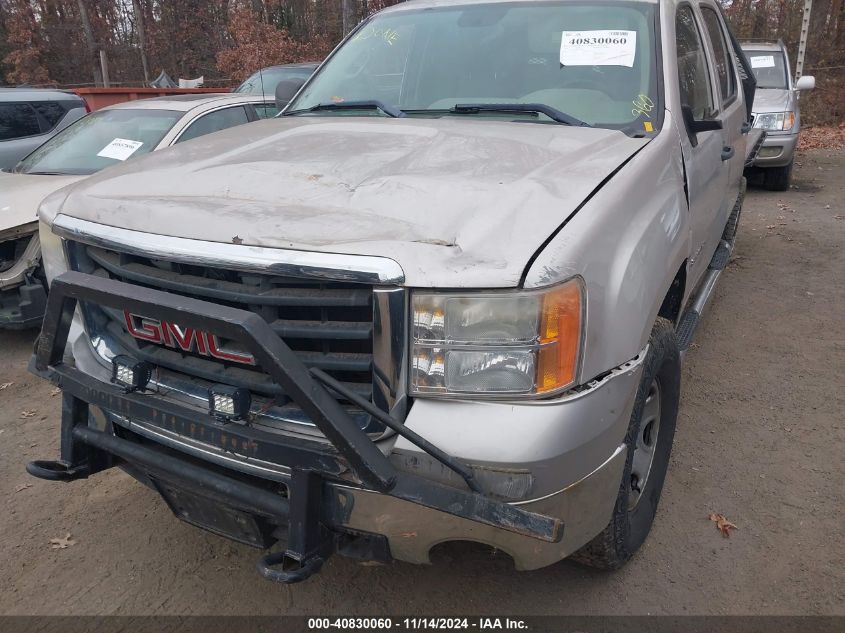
(351, 488)
(23, 306)
(778, 150)
(23, 297)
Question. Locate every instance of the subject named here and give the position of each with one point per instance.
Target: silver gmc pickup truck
(443, 297)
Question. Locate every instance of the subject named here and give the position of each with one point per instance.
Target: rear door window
(18, 120)
(724, 61)
(214, 122)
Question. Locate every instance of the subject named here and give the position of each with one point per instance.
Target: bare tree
(142, 38)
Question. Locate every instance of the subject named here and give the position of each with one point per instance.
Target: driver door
(708, 174)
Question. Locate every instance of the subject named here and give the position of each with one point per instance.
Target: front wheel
(778, 178)
(649, 441)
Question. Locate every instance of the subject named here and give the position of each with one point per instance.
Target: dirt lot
(760, 439)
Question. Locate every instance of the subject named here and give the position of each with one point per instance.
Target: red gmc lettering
(234, 357)
(185, 339)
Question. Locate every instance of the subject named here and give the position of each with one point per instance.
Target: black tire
(778, 178)
(628, 528)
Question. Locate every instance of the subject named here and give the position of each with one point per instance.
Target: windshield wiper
(369, 104)
(537, 108)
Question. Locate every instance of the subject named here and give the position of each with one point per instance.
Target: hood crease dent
(456, 202)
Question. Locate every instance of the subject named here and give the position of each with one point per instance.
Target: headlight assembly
(494, 345)
(775, 121)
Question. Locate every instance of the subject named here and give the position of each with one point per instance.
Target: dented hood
(20, 196)
(457, 202)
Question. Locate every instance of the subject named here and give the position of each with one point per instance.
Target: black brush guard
(306, 509)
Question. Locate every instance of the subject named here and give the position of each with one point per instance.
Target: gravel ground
(759, 439)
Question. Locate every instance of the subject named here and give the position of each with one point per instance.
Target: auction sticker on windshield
(763, 61)
(598, 48)
(120, 149)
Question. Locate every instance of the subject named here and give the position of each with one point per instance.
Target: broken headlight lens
(523, 343)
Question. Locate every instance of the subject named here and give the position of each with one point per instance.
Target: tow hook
(57, 470)
(292, 570)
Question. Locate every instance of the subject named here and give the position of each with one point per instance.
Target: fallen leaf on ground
(28, 414)
(6, 385)
(822, 137)
(722, 524)
(62, 543)
(22, 487)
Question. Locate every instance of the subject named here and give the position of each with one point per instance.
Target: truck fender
(627, 242)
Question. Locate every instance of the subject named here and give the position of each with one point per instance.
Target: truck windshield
(592, 61)
(769, 68)
(100, 140)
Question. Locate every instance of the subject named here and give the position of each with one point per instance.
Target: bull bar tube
(307, 509)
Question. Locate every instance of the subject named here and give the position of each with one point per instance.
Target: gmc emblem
(186, 339)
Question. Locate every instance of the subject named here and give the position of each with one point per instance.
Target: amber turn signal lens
(788, 120)
(560, 337)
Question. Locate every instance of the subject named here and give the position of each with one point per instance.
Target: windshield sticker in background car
(598, 48)
(643, 105)
(120, 149)
(763, 61)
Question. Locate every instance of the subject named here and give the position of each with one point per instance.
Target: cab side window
(214, 122)
(724, 62)
(266, 110)
(18, 120)
(693, 72)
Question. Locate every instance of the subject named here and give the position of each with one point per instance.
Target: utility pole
(104, 65)
(802, 45)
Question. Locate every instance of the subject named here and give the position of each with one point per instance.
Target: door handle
(746, 127)
(728, 153)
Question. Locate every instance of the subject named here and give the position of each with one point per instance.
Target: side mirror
(806, 82)
(285, 91)
(694, 126)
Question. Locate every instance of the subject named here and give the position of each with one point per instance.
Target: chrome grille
(328, 324)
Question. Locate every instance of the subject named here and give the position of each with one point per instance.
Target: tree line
(59, 42)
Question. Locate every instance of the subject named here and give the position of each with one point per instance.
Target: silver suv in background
(29, 117)
(776, 110)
